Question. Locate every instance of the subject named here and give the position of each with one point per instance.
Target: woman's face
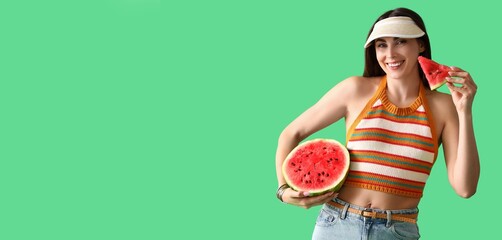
(398, 56)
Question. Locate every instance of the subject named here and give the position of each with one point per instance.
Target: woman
(395, 125)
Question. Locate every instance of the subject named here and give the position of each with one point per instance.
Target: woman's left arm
(459, 142)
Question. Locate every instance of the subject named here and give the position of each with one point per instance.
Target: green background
(149, 119)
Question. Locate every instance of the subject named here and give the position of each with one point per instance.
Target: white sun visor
(402, 27)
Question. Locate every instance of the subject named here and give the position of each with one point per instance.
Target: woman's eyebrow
(382, 40)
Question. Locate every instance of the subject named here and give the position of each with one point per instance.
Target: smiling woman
(397, 55)
(395, 125)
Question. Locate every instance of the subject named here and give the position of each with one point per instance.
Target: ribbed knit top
(392, 149)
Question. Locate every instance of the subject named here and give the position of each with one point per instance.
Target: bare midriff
(374, 199)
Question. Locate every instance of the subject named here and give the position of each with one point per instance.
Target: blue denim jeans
(335, 223)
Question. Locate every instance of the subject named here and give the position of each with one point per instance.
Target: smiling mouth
(395, 64)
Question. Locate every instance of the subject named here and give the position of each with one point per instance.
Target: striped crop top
(392, 149)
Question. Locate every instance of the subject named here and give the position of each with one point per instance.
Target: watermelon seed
(293, 164)
(323, 173)
(319, 174)
(327, 174)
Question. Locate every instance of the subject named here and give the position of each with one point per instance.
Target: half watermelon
(317, 166)
(434, 72)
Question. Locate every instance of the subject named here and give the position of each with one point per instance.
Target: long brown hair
(371, 66)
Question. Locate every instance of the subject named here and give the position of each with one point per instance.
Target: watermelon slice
(434, 72)
(317, 166)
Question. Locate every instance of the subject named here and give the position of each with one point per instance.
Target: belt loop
(344, 211)
(389, 218)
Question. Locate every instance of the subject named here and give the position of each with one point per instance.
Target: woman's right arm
(329, 109)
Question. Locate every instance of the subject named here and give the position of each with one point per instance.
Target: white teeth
(394, 64)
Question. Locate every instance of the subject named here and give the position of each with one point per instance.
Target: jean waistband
(404, 215)
(396, 211)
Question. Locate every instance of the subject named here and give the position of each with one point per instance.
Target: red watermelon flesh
(434, 72)
(317, 166)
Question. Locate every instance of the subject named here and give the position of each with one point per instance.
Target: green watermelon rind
(335, 186)
(437, 85)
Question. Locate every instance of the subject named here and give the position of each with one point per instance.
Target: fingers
(310, 201)
(290, 194)
(461, 74)
(462, 78)
(317, 200)
(456, 79)
(453, 88)
(305, 199)
(299, 194)
(464, 85)
(453, 68)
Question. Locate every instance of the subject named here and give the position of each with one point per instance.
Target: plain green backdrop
(150, 119)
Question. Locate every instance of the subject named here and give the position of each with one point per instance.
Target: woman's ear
(421, 46)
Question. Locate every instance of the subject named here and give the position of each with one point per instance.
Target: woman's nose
(391, 52)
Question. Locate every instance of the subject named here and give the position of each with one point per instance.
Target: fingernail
(306, 194)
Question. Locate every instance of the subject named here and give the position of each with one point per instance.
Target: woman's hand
(302, 199)
(462, 95)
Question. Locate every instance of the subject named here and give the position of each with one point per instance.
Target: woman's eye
(380, 45)
(401, 41)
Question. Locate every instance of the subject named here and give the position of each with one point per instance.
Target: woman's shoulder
(353, 90)
(363, 80)
(360, 84)
(438, 98)
(441, 104)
